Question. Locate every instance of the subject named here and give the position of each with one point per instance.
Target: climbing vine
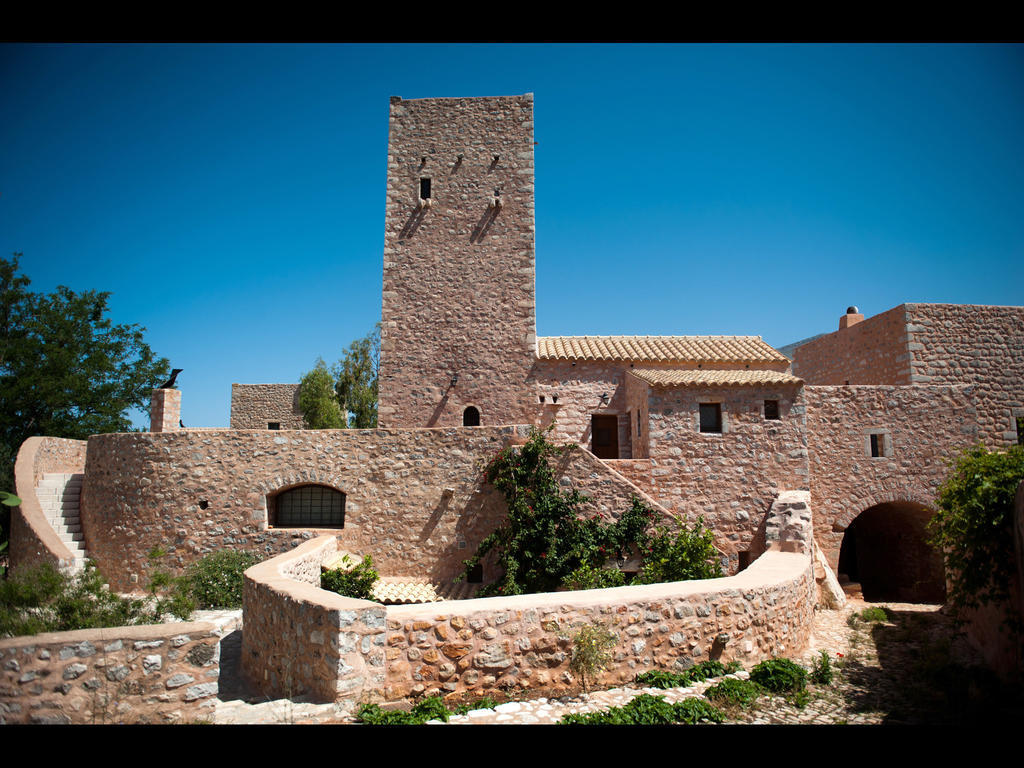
(974, 525)
(547, 542)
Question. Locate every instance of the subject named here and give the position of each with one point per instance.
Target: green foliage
(822, 673)
(591, 652)
(356, 380)
(319, 406)
(779, 676)
(430, 708)
(733, 692)
(589, 577)
(65, 369)
(216, 581)
(355, 582)
(485, 702)
(44, 600)
(874, 613)
(7, 500)
(973, 527)
(658, 678)
(650, 710)
(687, 554)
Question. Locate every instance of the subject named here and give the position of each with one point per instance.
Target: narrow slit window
(771, 410)
(1020, 430)
(424, 189)
(710, 417)
(876, 446)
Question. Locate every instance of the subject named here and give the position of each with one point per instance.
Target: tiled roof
(713, 378)
(405, 592)
(659, 349)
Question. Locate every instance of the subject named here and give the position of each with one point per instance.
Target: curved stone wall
(33, 539)
(340, 649)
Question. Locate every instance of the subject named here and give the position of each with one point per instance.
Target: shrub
(216, 580)
(591, 652)
(687, 554)
(779, 676)
(741, 693)
(822, 672)
(430, 708)
(657, 678)
(973, 527)
(356, 582)
(588, 577)
(874, 613)
(44, 600)
(649, 710)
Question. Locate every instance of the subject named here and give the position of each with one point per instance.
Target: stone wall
(873, 351)
(300, 640)
(33, 540)
(151, 674)
(471, 648)
(458, 295)
(978, 345)
(253, 406)
(730, 479)
(920, 426)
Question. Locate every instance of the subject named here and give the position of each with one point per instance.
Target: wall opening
(273, 425)
(604, 436)
(307, 506)
(771, 410)
(710, 417)
(471, 417)
(885, 551)
(424, 189)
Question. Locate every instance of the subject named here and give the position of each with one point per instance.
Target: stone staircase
(58, 496)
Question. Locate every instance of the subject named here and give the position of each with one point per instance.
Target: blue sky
(232, 196)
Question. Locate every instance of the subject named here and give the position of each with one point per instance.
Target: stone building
(715, 427)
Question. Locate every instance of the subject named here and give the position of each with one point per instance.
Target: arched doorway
(885, 550)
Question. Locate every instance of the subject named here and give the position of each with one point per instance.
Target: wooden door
(604, 436)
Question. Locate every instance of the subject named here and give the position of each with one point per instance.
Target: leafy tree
(65, 369)
(317, 401)
(356, 380)
(974, 525)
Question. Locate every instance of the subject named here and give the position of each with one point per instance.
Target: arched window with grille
(308, 506)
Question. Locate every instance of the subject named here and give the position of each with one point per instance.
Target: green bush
(687, 554)
(430, 708)
(44, 600)
(822, 673)
(973, 527)
(216, 580)
(357, 582)
(779, 676)
(591, 652)
(741, 693)
(649, 710)
(657, 678)
(589, 577)
(875, 613)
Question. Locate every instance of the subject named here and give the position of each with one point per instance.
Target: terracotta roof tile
(660, 349)
(405, 592)
(712, 378)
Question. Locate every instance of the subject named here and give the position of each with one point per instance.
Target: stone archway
(884, 549)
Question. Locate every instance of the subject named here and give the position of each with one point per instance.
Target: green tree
(65, 369)
(317, 401)
(356, 380)
(974, 525)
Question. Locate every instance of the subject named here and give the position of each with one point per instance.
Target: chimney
(165, 410)
(852, 317)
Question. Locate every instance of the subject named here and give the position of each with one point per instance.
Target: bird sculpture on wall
(169, 384)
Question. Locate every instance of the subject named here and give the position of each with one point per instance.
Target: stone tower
(458, 331)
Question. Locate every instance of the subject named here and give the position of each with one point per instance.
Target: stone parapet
(149, 674)
(33, 540)
(165, 410)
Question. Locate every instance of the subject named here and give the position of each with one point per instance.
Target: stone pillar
(852, 317)
(165, 410)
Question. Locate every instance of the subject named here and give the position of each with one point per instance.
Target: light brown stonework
(256, 406)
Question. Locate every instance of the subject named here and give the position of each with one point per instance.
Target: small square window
(771, 410)
(710, 417)
(273, 425)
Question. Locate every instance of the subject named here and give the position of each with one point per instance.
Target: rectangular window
(475, 575)
(771, 410)
(310, 506)
(710, 417)
(424, 189)
(876, 446)
(638, 424)
(273, 425)
(1020, 430)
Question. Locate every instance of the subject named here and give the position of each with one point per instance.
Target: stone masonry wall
(978, 345)
(151, 674)
(874, 351)
(471, 648)
(732, 478)
(33, 540)
(458, 293)
(920, 427)
(253, 406)
(300, 640)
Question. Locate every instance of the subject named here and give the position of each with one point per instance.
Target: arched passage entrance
(885, 550)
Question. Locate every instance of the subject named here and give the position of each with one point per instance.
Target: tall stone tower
(458, 331)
